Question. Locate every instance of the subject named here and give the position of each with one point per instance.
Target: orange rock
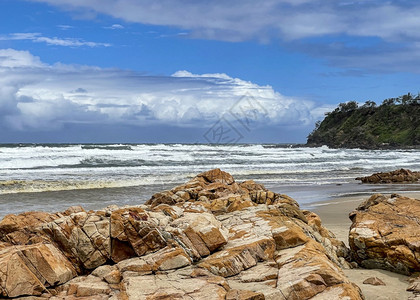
(244, 295)
(385, 233)
(239, 204)
(87, 286)
(15, 277)
(28, 270)
(217, 175)
(306, 271)
(175, 285)
(134, 230)
(83, 238)
(374, 281)
(402, 175)
(234, 260)
(210, 238)
(27, 220)
(21, 229)
(166, 197)
(203, 231)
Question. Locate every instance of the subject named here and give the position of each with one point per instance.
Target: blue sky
(197, 71)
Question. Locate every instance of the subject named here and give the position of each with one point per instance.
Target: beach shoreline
(334, 216)
(49, 177)
(332, 202)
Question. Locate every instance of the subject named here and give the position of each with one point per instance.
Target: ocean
(52, 177)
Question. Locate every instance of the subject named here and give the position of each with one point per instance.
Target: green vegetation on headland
(393, 124)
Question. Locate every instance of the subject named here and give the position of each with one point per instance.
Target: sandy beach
(334, 215)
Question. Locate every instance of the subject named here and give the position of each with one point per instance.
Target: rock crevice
(210, 238)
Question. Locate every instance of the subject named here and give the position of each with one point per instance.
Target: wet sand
(334, 215)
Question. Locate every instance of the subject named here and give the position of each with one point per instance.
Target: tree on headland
(389, 101)
(348, 106)
(369, 104)
(394, 123)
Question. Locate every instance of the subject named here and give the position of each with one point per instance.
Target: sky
(191, 71)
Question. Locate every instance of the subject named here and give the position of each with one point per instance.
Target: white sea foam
(99, 166)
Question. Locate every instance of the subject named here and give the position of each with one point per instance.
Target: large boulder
(201, 233)
(280, 256)
(136, 232)
(385, 233)
(401, 175)
(218, 192)
(210, 238)
(20, 229)
(83, 237)
(29, 270)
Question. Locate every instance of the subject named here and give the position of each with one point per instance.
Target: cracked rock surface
(401, 175)
(210, 238)
(385, 234)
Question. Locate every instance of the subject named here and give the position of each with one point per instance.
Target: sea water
(51, 177)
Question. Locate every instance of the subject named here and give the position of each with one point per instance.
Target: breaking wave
(52, 167)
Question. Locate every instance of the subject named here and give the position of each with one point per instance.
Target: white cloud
(386, 31)
(66, 42)
(65, 27)
(35, 95)
(115, 26)
(10, 58)
(248, 19)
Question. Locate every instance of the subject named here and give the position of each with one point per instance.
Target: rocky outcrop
(402, 175)
(31, 269)
(211, 238)
(385, 233)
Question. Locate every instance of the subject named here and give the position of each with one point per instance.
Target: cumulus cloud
(10, 58)
(66, 42)
(39, 96)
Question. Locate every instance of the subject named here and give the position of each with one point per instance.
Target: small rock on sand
(374, 281)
